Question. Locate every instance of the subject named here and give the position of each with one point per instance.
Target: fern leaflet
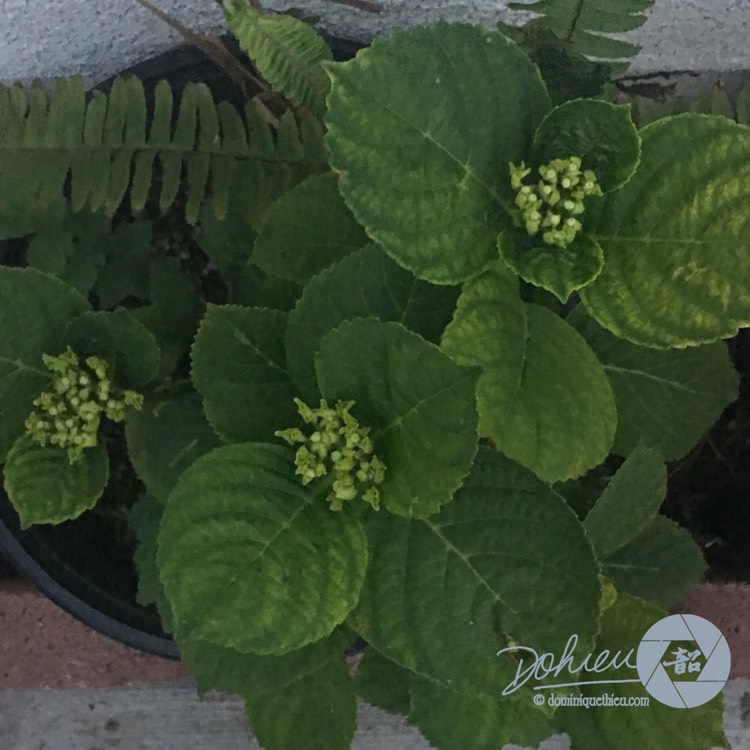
(584, 23)
(108, 146)
(286, 51)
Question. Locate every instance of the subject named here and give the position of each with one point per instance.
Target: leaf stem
(216, 51)
(574, 22)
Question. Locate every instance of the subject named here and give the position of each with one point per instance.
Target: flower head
(337, 445)
(552, 205)
(70, 413)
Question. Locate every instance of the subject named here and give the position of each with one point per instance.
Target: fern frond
(713, 101)
(109, 147)
(743, 105)
(286, 51)
(585, 23)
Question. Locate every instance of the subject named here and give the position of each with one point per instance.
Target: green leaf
(34, 310)
(366, 283)
(144, 519)
(443, 594)
(275, 293)
(120, 339)
(287, 52)
(418, 403)
(252, 287)
(32, 204)
(629, 503)
(258, 183)
(382, 683)
(18, 216)
(44, 487)
(647, 110)
(582, 493)
(743, 105)
(657, 727)
(126, 270)
(567, 73)
(602, 134)
(556, 415)
(490, 301)
(306, 230)
(321, 707)
(166, 437)
(228, 241)
(675, 238)
(96, 149)
(664, 398)
(173, 314)
(583, 23)
(73, 249)
(543, 396)
(713, 102)
(239, 368)
(659, 565)
(454, 720)
(218, 668)
(421, 128)
(528, 728)
(250, 560)
(556, 269)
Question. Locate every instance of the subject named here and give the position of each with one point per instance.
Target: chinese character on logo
(684, 659)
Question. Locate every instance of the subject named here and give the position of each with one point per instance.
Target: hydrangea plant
(338, 447)
(553, 204)
(70, 414)
(406, 315)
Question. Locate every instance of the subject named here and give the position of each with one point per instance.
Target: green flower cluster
(552, 205)
(71, 412)
(338, 444)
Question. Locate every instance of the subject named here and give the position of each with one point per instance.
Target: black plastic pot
(82, 565)
(84, 568)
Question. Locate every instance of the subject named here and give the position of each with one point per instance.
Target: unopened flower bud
(337, 444)
(74, 404)
(558, 196)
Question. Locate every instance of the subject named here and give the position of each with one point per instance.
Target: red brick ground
(43, 647)
(727, 606)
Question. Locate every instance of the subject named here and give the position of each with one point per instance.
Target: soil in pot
(709, 489)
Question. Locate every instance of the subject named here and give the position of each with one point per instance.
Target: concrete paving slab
(64, 687)
(161, 718)
(172, 717)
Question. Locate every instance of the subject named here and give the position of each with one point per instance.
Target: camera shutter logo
(683, 661)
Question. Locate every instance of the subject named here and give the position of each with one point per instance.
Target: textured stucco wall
(99, 37)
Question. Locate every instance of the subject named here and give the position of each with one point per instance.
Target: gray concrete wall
(97, 38)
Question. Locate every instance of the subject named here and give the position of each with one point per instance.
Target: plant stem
(574, 22)
(255, 3)
(365, 5)
(219, 54)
